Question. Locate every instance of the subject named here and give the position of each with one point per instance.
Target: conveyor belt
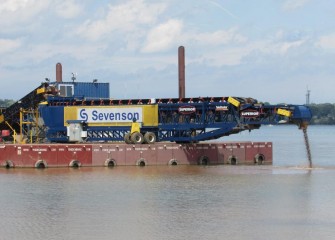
(12, 113)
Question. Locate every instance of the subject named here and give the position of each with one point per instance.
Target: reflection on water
(172, 202)
(284, 201)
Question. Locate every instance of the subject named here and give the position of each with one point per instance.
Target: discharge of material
(309, 155)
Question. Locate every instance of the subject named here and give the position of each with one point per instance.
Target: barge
(74, 124)
(121, 154)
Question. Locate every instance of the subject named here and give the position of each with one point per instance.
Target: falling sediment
(309, 155)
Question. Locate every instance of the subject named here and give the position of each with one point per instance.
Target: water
(289, 147)
(284, 201)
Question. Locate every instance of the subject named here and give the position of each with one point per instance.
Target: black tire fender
(141, 162)
(203, 160)
(41, 164)
(110, 163)
(75, 164)
(259, 159)
(173, 162)
(8, 164)
(232, 160)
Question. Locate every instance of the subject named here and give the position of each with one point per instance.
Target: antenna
(308, 96)
(74, 76)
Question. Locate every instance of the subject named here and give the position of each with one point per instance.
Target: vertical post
(21, 127)
(181, 71)
(308, 96)
(37, 133)
(59, 72)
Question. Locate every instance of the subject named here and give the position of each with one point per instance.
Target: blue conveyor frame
(205, 123)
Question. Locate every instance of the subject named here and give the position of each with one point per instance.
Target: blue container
(88, 90)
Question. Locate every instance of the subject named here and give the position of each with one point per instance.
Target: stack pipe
(181, 71)
(59, 72)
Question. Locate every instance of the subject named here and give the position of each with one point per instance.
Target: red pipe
(181, 71)
(59, 72)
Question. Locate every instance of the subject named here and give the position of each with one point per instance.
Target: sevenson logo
(110, 115)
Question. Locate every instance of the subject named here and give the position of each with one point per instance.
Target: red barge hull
(121, 154)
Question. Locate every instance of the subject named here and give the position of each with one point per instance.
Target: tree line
(323, 113)
(6, 103)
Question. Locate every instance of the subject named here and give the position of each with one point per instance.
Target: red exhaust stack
(181, 70)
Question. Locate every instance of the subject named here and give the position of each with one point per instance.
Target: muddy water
(284, 201)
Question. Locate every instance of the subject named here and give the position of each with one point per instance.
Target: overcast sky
(271, 50)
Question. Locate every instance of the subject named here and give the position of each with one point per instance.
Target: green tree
(6, 103)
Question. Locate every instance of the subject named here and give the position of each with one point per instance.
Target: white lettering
(39, 149)
(171, 147)
(250, 114)
(221, 108)
(74, 149)
(102, 115)
(141, 149)
(186, 109)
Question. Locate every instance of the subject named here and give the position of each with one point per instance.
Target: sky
(270, 50)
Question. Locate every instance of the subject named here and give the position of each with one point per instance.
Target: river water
(283, 201)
